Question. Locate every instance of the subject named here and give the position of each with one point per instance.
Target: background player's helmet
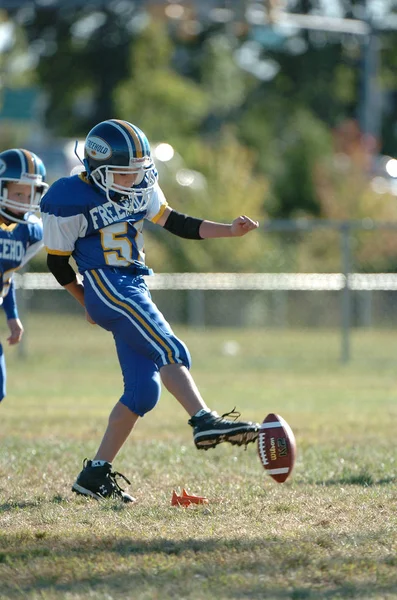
(118, 147)
(21, 166)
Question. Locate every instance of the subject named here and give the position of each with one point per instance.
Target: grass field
(329, 532)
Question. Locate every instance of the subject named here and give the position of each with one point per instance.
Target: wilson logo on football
(277, 447)
(97, 148)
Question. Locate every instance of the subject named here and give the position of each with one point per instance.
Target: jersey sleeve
(63, 221)
(35, 229)
(10, 302)
(157, 205)
(35, 239)
(61, 233)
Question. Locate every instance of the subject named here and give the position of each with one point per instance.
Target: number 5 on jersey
(117, 248)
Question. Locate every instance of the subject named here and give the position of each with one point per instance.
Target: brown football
(277, 447)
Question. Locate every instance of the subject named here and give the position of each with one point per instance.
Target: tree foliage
(166, 105)
(231, 188)
(84, 56)
(261, 145)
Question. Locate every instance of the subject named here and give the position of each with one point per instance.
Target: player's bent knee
(143, 398)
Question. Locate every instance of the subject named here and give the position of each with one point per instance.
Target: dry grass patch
(330, 532)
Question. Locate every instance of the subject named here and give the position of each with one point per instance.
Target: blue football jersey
(80, 221)
(18, 244)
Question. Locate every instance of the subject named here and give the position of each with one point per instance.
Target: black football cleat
(211, 430)
(100, 483)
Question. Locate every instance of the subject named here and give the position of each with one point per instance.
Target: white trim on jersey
(61, 233)
(156, 202)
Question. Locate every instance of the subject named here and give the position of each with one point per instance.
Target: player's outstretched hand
(16, 330)
(243, 225)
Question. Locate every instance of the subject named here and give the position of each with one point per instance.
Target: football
(277, 447)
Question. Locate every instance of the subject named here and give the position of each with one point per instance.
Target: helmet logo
(97, 148)
(33, 176)
(3, 166)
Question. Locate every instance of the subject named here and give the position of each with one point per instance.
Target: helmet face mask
(133, 197)
(20, 168)
(115, 150)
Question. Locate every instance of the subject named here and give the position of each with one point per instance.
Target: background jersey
(18, 243)
(80, 221)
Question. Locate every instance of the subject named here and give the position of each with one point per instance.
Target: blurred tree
(389, 94)
(17, 68)
(166, 105)
(346, 193)
(96, 63)
(232, 188)
(224, 82)
(171, 108)
(83, 55)
(289, 144)
(17, 81)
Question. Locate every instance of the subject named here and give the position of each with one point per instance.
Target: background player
(97, 217)
(22, 184)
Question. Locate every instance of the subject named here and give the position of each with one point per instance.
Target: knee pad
(143, 396)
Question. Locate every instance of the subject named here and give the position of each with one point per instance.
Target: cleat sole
(80, 491)
(236, 439)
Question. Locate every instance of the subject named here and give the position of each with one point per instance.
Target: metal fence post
(196, 308)
(346, 300)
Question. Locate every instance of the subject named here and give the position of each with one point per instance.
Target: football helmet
(23, 167)
(117, 147)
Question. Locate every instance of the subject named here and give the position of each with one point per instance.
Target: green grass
(328, 532)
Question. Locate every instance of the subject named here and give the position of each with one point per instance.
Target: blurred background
(284, 110)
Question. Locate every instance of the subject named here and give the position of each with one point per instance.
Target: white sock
(202, 412)
(98, 463)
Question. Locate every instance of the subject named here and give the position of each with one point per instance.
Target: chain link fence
(350, 293)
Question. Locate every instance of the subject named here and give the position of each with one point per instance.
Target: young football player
(22, 184)
(97, 217)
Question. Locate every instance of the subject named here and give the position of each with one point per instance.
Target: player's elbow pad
(183, 225)
(61, 269)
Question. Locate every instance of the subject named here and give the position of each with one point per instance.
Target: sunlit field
(328, 532)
